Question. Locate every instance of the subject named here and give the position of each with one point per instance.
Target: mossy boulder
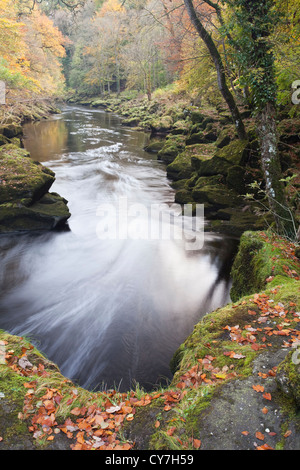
(181, 167)
(180, 127)
(161, 124)
(235, 153)
(196, 116)
(223, 139)
(49, 213)
(183, 196)
(173, 145)
(131, 121)
(11, 130)
(258, 260)
(154, 146)
(202, 138)
(216, 194)
(210, 166)
(288, 376)
(20, 177)
(25, 203)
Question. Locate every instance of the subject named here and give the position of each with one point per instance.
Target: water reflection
(106, 311)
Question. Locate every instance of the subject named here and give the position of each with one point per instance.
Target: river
(109, 310)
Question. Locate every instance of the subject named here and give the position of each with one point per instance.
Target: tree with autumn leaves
(31, 48)
(250, 39)
(238, 51)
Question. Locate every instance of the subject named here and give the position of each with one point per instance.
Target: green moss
(20, 177)
(181, 167)
(216, 194)
(236, 152)
(288, 376)
(255, 262)
(173, 145)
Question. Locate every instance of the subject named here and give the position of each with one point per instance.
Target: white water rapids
(109, 312)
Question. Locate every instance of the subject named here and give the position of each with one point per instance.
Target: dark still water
(110, 311)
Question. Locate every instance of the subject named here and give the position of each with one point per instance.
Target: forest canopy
(96, 46)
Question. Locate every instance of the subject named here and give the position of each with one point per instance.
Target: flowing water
(109, 310)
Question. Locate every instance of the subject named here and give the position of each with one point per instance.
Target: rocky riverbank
(25, 201)
(235, 386)
(206, 162)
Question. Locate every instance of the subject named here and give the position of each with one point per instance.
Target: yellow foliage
(111, 6)
(30, 49)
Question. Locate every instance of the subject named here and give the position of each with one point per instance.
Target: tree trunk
(226, 93)
(271, 168)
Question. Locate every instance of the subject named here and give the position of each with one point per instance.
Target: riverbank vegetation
(213, 83)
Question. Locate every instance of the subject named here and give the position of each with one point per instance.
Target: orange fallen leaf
(170, 431)
(260, 436)
(288, 433)
(258, 388)
(264, 447)
(126, 409)
(157, 424)
(167, 408)
(245, 433)
(265, 410)
(197, 443)
(267, 396)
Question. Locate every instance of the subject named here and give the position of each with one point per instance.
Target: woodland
(244, 55)
(216, 84)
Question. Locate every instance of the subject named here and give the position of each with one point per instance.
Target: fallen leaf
(113, 409)
(260, 436)
(258, 388)
(197, 443)
(245, 433)
(264, 447)
(267, 396)
(170, 431)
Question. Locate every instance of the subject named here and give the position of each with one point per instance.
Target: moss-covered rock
(235, 153)
(154, 146)
(161, 124)
(173, 145)
(181, 167)
(25, 203)
(288, 375)
(48, 213)
(211, 166)
(256, 262)
(223, 139)
(11, 130)
(21, 178)
(217, 194)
